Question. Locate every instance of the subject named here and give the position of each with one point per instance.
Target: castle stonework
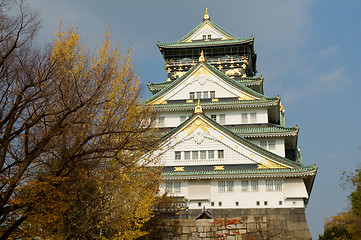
(227, 154)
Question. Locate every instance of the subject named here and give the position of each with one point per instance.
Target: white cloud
(335, 79)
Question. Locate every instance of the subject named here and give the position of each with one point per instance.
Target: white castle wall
(249, 199)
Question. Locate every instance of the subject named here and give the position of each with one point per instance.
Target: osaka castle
(223, 144)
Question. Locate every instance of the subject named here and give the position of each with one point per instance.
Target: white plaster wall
(232, 116)
(245, 199)
(279, 145)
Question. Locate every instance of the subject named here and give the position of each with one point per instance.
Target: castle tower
(224, 145)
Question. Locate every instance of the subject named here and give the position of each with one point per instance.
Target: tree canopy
(71, 134)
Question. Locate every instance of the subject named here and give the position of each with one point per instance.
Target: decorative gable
(200, 141)
(204, 82)
(207, 32)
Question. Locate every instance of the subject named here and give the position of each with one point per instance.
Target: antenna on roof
(206, 15)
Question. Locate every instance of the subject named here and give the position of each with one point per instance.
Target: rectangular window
(213, 94)
(205, 94)
(271, 145)
(177, 187)
(187, 155)
(214, 117)
(161, 121)
(278, 185)
(199, 95)
(203, 154)
(204, 37)
(182, 118)
(244, 117)
(191, 95)
(221, 186)
(194, 154)
(209, 36)
(253, 117)
(265, 203)
(173, 187)
(254, 185)
(211, 154)
(222, 118)
(220, 204)
(257, 203)
(237, 203)
(220, 154)
(177, 155)
(244, 184)
(169, 186)
(280, 203)
(212, 204)
(199, 204)
(229, 186)
(269, 185)
(263, 144)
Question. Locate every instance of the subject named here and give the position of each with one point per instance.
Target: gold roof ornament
(198, 108)
(201, 57)
(206, 15)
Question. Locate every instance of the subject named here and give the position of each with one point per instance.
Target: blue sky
(308, 53)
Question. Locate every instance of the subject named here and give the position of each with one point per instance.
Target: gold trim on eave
(269, 164)
(218, 168)
(178, 169)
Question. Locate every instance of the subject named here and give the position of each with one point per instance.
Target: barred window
(254, 185)
(253, 117)
(187, 155)
(278, 185)
(213, 94)
(199, 95)
(222, 118)
(177, 155)
(194, 154)
(205, 94)
(211, 154)
(269, 185)
(221, 186)
(203, 154)
(220, 154)
(191, 95)
(244, 184)
(244, 117)
(229, 186)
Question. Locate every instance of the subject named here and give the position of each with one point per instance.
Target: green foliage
(335, 232)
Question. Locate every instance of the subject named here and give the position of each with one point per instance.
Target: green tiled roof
(203, 43)
(266, 129)
(216, 71)
(219, 103)
(212, 24)
(304, 169)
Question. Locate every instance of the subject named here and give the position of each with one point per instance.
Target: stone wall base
(232, 224)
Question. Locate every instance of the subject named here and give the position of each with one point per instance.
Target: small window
(191, 95)
(294, 203)
(182, 119)
(213, 94)
(254, 185)
(203, 154)
(199, 204)
(177, 187)
(229, 186)
(169, 186)
(204, 37)
(257, 203)
(194, 154)
(237, 203)
(161, 121)
(199, 95)
(187, 155)
(244, 184)
(220, 204)
(212, 204)
(278, 185)
(209, 36)
(220, 154)
(221, 186)
(269, 185)
(253, 117)
(244, 117)
(177, 155)
(222, 118)
(265, 203)
(280, 203)
(263, 144)
(211, 154)
(205, 94)
(271, 145)
(214, 117)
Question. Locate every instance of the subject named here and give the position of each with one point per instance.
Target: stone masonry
(250, 224)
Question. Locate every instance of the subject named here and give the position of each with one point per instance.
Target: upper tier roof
(194, 38)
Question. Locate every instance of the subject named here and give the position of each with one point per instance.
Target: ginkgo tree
(71, 134)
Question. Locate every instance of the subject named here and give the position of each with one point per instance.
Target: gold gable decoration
(198, 108)
(198, 123)
(269, 164)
